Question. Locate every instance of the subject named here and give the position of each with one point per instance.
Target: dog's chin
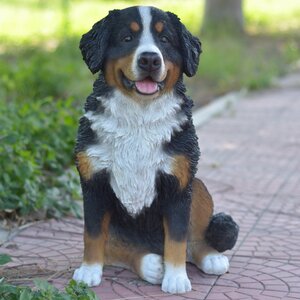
(146, 87)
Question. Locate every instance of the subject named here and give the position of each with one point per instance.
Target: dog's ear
(190, 46)
(93, 44)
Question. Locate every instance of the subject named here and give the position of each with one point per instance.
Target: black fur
(103, 42)
(146, 230)
(94, 43)
(175, 205)
(222, 232)
(190, 47)
(85, 135)
(94, 209)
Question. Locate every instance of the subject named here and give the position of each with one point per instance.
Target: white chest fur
(131, 138)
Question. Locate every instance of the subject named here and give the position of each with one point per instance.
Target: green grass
(44, 82)
(272, 16)
(34, 20)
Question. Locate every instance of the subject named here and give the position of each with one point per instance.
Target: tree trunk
(223, 16)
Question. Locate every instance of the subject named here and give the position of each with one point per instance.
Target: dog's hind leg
(149, 266)
(209, 234)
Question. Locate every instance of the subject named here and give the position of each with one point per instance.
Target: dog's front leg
(176, 220)
(175, 278)
(96, 229)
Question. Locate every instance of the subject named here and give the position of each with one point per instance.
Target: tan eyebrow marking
(159, 26)
(134, 26)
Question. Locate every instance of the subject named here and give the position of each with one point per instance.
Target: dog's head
(141, 50)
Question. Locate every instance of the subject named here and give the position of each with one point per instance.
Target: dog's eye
(164, 39)
(127, 38)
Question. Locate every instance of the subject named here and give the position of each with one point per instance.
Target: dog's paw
(89, 274)
(152, 269)
(176, 281)
(214, 263)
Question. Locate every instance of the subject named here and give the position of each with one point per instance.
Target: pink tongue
(146, 86)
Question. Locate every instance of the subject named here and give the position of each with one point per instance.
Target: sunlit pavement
(251, 165)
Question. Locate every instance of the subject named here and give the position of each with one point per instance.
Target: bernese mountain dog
(137, 155)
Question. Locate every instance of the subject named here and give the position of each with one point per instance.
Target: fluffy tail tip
(222, 232)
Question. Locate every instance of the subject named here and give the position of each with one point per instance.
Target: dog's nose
(149, 61)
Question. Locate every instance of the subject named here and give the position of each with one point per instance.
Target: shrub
(250, 62)
(35, 72)
(45, 291)
(36, 146)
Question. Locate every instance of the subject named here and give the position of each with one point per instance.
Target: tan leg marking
(174, 252)
(201, 213)
(84, 165)
(120, 253)
(147, 265)
(181, 169)
(94, 247)
(175, 279)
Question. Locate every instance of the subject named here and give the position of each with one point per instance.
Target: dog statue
(137, 155)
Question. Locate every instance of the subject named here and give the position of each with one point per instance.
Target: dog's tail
(222, 232)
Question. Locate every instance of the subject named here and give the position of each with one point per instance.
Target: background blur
(44, 82)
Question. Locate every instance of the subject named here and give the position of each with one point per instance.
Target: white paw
(89, 274)
(214, 263)
(175, 280)
(152, 269)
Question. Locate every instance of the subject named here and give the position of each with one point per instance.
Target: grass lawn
(41, 70)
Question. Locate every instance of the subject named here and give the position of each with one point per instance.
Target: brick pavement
(250, 163)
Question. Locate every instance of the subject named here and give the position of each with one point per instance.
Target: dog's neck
(129, 111)
(131, 140)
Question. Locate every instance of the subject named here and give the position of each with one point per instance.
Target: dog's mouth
(146, 86)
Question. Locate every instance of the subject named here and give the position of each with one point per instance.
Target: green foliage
(35, 19)
(37, 140)
(4, 259)
(31, 77)
(251, 62)
(38, 128)
(272, 16)
(80, 291)
(45, 291)
(30, 72)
